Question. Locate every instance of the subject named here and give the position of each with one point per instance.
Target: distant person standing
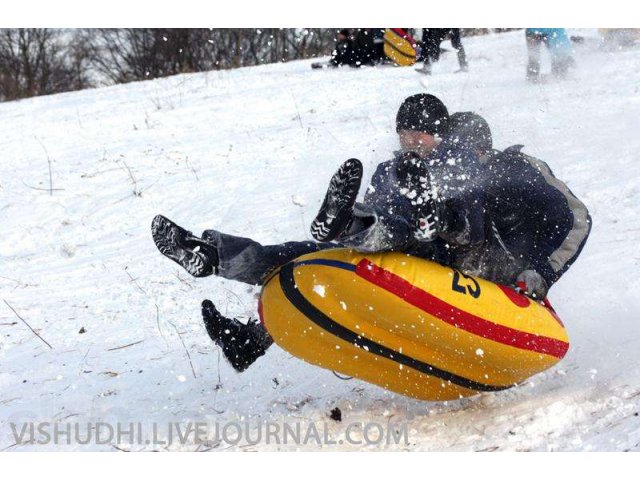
(559, 47)
(431, 40)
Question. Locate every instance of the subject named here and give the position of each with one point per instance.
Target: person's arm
(554, 224)
(463, 220)
(567, 225)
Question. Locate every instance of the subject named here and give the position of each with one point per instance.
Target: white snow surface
(250, 152)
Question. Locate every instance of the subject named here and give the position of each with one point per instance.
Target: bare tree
(123, 55)
(39, 61)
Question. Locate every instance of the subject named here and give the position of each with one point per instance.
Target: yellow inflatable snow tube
(398, 47)
(409, 325)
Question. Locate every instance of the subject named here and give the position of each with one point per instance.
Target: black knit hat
(424, 113)
(472, 130)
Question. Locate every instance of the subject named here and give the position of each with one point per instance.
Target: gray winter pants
(248, 261)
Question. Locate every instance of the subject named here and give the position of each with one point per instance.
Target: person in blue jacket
(446, 196)
(391, 207)
(559, 47)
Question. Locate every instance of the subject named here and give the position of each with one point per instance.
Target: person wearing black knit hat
(421, 122)
(423, 112)
(399, 212)
(384, 221)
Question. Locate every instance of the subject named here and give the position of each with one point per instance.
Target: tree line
(41, 61)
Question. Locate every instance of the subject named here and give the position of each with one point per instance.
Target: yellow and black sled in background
(409, 325)
(399, 47)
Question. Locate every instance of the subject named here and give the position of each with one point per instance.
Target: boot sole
(338, 203)
(168, 237)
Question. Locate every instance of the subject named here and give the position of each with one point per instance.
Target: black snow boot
(336, 211)
(241, 344)
(192, 253)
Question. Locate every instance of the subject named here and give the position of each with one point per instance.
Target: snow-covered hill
(250, 152)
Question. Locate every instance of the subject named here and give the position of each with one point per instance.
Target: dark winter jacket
(533, 214)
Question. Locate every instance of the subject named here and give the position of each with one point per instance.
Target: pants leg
(533, 49)
(372, 231)
(248, 261)
(456, 42)
(431, 38)
(560, 51)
